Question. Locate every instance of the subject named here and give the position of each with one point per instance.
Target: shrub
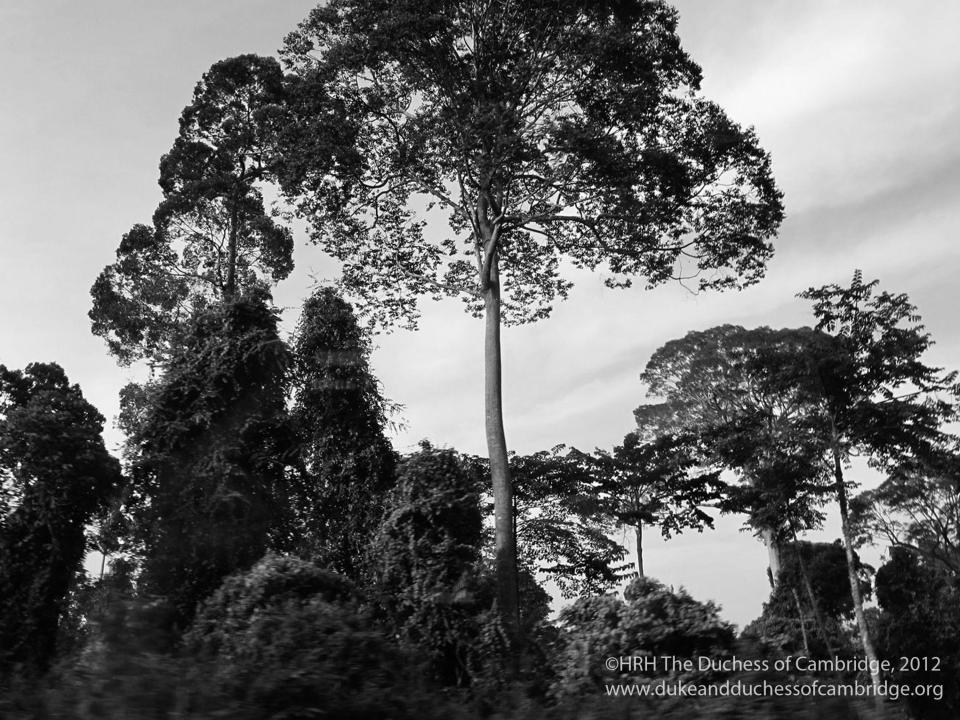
(290, 640)
(426, 561)
(653, 620)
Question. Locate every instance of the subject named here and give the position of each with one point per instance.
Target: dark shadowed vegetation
(267, 553)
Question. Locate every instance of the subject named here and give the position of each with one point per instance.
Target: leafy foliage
(917, 509)
(211, 235)
(811, 602)
(55, 478)
(339, 418)
(921, 619)
(563, 524)
(746, 398)
(287, 636)
(653, 620)
(877, 394)
(224, 620)
(663, 483)
(427, 557)
(659, 481)
(546, 131)
(208, 461)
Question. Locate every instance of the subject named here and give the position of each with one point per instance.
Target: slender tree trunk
(868, 650)
(773, 552)
(505, 548)
(639, 527)
(230, 289)
(803, 622)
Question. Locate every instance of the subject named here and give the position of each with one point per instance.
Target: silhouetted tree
(211, 236)
(563, 521)
(876, 396)
(56, 476)
(209, 458)
(746, 397)
(339, 416)
(660, 481)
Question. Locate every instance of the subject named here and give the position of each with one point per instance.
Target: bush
(290, 640)
(920, 618)
(426, 562)
(653, 620)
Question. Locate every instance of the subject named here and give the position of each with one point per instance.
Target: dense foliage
(651, 620)
(338, 415)
(211, 236)
(427, 555)
(920, 618)
(273, 556)
(208, 458)
(563, 522)
(55, 478)
(810, 607)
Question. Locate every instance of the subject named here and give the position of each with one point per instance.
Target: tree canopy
(211, 235)
(339, 417)
(549, 132)
(746, 396)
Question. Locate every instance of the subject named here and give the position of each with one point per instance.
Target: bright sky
(857, 102)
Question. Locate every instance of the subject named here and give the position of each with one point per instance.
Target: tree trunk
(639, 527)
(868, 650)
(803, 621)
(230, 286)
(505, 548)
(773, 553)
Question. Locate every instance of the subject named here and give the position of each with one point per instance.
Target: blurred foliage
(289, 639)
(651, 620)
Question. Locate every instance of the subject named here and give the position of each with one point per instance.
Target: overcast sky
(858, 102)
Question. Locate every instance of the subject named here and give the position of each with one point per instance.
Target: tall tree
(877, 397)
(745, 396)
(339, 416)
(552, 133)
(209, 455)
(55, 477)
(211, 235)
